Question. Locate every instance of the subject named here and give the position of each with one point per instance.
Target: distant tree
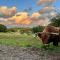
(12, 29)
(55, 21)
(37, 29)
(3, 28)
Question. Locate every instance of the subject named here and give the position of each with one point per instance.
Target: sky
(24, 4)
(20, 4)
(11, 8)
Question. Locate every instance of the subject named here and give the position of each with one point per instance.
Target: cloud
(39, 21)
(21, 18)
(48, 5)
(46, 9)
(25, 19)
(42, 22)
(40, 2)
(53, 14)
(3, 19)
(35, 15)
(7, 11)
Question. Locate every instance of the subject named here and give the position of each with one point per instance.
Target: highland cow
(51, 29)
(50, 34)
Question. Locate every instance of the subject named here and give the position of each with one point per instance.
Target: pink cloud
(7, 11)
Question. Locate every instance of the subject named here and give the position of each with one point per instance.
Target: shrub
(37, 29)
(3, 28)
(11, 30)
(55, 21)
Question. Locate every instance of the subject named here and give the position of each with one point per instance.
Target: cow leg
(56, 40)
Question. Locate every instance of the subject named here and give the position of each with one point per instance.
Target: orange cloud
(24, 18)
(21, 18)
(35, 15)
(27, 21)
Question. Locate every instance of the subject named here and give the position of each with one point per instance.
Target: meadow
(18, 39)
(24, 40)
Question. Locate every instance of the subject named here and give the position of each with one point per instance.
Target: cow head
(44, 37)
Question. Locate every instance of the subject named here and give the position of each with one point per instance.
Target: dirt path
(20, 53)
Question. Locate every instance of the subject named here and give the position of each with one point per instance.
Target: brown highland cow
(50, 34)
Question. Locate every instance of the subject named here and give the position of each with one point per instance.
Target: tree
(55, 21)
(3, 28)
(37, 29)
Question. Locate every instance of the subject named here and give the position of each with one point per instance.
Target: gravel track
(22, 53)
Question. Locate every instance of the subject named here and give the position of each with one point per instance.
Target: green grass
(17, 39)
(24, 40)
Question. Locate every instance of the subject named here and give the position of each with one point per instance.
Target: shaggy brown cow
(47, 38)
(51, 29)
(50, 34)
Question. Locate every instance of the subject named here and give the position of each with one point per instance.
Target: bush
(11, 30)
(37, 29)
(55, 21)
(3, 28)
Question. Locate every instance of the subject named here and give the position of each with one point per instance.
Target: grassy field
(18, 39)
(23, 40)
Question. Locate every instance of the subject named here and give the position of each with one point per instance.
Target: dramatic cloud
(7, 11)
(21, 18)
(13, 17)
(25, 19)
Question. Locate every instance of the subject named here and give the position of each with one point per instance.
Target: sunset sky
(25, 11)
